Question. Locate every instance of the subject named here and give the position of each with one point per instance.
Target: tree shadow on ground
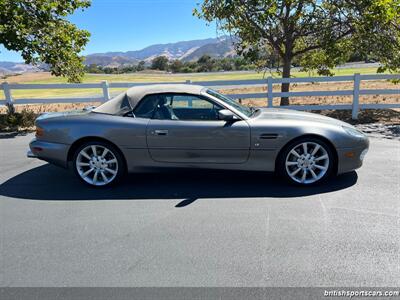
(12, 134)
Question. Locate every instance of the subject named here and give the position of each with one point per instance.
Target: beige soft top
(132, 96)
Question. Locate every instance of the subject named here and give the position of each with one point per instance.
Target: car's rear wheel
(306, 161)
(98, 164)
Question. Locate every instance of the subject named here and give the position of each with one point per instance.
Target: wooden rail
(356, 92)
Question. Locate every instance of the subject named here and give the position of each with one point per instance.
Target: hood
(289, 114)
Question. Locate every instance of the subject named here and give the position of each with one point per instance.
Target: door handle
(161, 132)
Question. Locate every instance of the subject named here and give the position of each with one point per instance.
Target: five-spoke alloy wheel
(306, 161)
(98, 164)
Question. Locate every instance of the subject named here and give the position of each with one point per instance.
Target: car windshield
(248, 111)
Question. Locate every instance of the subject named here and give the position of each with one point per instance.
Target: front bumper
(350, 159)
(54, 153)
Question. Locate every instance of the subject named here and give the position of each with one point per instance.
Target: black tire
(282, 169)
(120, 162)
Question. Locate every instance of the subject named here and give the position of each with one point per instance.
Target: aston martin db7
(189, 126)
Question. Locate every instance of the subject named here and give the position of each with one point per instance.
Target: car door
(186, 129)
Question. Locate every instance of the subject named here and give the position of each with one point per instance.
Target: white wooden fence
(356, 92)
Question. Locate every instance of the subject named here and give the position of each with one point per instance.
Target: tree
(141, 66)
(40, 30)
(176, 66)
(189, 67)
(160, 63)
(319, 34)
(206, 63)
(225, 64)
(93, 69)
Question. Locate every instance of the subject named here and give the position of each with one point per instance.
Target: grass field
(140, 77)
(161, 77)
(45, 77)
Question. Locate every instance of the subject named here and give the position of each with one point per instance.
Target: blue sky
(123, 25)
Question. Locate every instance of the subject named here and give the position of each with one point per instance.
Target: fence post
(8, 97)
(270, 91)
(356, 96)
(106, 93)
(190, 102)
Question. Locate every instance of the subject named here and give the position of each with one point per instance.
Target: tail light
(39, 132)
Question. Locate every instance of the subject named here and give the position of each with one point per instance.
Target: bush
(27, 118)
(15, 121)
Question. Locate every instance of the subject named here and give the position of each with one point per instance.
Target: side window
(147, 107)
(189, 101)
(186, 107)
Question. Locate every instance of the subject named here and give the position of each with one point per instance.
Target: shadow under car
(51, 183)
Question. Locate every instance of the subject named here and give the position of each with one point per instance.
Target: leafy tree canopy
(316, 34)
(160, 63)
(40, 30)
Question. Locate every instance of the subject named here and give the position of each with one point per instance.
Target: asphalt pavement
(198, 229)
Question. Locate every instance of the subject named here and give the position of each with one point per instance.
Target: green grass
(141, 77)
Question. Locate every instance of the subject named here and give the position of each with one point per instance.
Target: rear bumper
(30, 154)
(54, 153)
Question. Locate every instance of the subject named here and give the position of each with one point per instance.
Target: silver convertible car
(189, 126)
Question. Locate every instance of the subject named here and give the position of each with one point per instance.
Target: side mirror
(227, 115)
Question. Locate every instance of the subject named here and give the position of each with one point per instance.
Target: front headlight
(353, 132)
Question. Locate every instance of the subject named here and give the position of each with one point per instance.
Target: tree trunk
(286, 86)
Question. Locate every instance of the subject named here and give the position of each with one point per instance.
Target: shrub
(27, 118)
(15, 121)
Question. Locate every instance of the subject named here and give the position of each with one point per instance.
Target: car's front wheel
(306, 161)
(98, 164)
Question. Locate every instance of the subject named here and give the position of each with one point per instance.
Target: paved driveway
(198, 229)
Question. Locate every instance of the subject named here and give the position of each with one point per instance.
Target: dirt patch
(367, 116)
(322, 100)
(28, 77)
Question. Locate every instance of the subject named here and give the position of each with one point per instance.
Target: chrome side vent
(268, 136)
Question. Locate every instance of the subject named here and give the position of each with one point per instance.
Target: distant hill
(220, 49)
(8, 68)
(185, 51)
(109, 60)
